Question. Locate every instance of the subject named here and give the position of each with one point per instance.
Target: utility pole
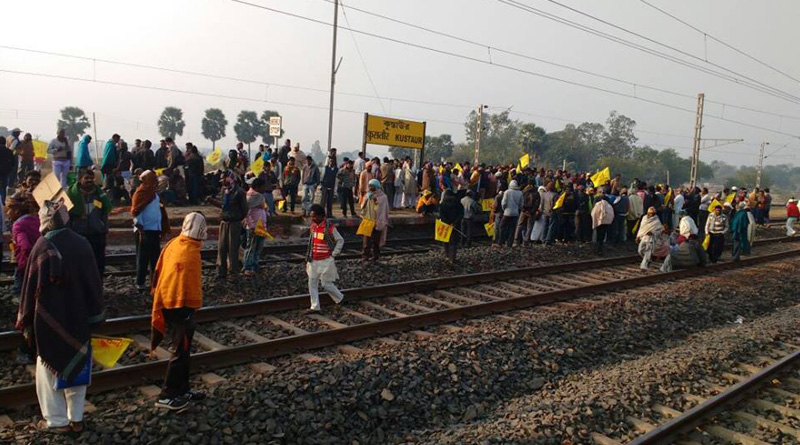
(478, 133)
(760, 164)
(698, 130)
(334, 68)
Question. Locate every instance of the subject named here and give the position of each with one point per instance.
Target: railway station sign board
(381, 130)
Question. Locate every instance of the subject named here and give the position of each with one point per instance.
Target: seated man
(685, 255)
(426, 205)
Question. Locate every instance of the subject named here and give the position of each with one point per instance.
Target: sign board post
(395, 132)
(275, 127)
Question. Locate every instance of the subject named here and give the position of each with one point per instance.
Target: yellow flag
(214, 157)
(524, 160)
(729, 198)
(107, 350)
(366, 227)
(457, 168)
(489, 229)
(261, 231)
(601, 177)
(282, 205)
(159, 171)
(258, 166)
(668, 196)
(443, 231)
(487, 204)
(706, 241)
(40, 150)
(636, 226)
(714, 204)
(559, 201)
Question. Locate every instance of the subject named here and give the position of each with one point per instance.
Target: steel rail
(669, 432)
(133, 374)
(11, 339)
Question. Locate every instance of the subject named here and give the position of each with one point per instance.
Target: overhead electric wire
(721, 42)
(199, 93)
(360, 56)
(664, 45)
(556, 64)
(747, 83)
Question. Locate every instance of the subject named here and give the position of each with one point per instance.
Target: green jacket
(89, 221)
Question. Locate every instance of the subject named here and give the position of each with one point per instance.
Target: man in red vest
(324, 244)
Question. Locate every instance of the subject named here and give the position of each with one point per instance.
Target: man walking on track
(324, 244)
(62, 299)
(177, 294)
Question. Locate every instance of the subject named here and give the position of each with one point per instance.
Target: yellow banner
(257, 166)
(214, 157)
(443, 231)
(559, 201)
(107, 350)
(40, 150)
(261, 231)
(524, 160)
(395, 132)
(366, 227)
(714, 204)
(729, 198)
(159, 171)
(601, 177)
(489, 229)
(487, 204)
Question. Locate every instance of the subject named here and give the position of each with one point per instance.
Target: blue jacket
(84, 158)
(109, 157)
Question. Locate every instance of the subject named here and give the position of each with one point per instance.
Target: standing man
(310, 183)
(739, 231)
(347, 180)
(324, 244)
(177, 294)
(6, 168)
(329, 185)
(234, 210)
(283, 154)
(375, 207)
(291, 179)
(62, 301)
(195, 168)
(162, 155)
(451, 212)
(25, 152)
(602, 218)
(511, 204)
(716, 226)
(109, 165)
(150, 224)
(89, 215)
(358, 167)
(61, 152)
(13, 142)
(387, 181)
(471, 208)
(84, 159)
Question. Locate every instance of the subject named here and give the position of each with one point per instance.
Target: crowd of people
(59, 244)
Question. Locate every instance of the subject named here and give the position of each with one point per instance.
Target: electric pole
(478, 133)
(760, 164)
(334, 68)
(698, 130)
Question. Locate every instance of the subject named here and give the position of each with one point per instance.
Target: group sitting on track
(60, 253)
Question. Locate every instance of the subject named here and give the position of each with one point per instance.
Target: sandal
(76, 427)
(42, 425)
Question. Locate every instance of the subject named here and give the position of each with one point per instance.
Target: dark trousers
(291, 197)
(345, 198)
(327, 200)
(388, 188)
(522, 234)
(701, 224)
(24, 168)
(618, 229)
(230, 240)
(451, 247)
(583, 231)
(3, 187)
(554, 228)
(98, 243)
(180, 330)
(508, 225)
(666, 218)
(715, 246)
(194, 184)
(567, 227)
(148, 248)
(372, 246)
(601, 232)
(466, 229)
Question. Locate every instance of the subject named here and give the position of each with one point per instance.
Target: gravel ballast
(553, 376)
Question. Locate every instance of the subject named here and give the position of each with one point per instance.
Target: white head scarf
(687, 227)
(194, 226)
(53, 215)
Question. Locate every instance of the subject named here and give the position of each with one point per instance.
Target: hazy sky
(226, 38)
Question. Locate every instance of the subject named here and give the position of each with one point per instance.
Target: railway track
(125, 264)
(251, 332)
(762, 395)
